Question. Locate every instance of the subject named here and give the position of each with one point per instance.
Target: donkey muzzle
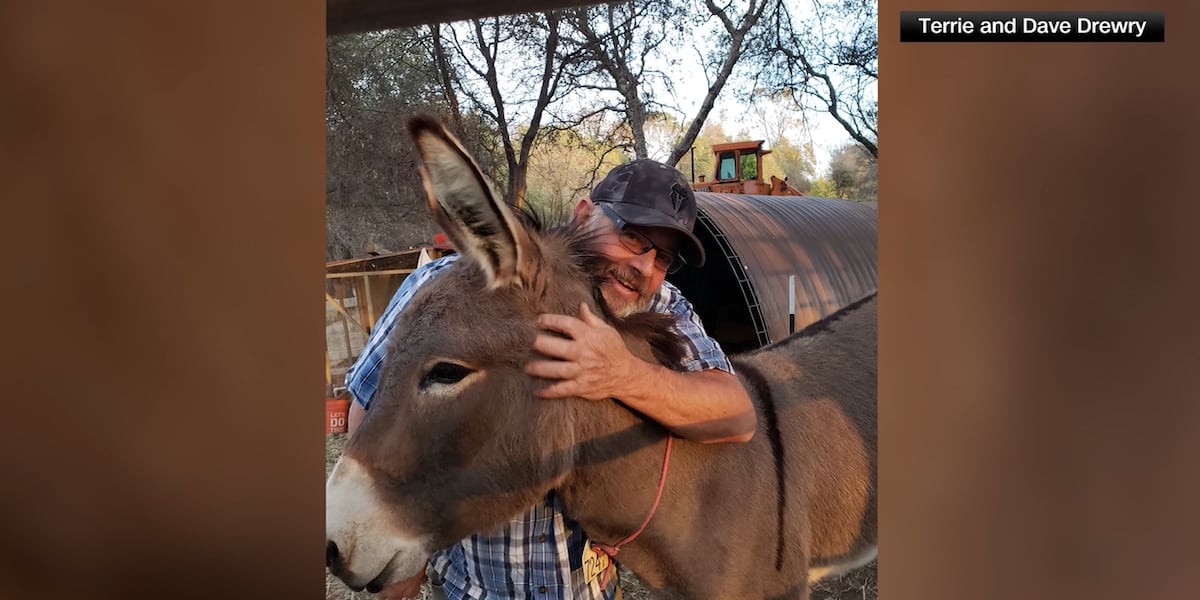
(364, 547)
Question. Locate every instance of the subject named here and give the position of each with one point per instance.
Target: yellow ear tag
(594, 562)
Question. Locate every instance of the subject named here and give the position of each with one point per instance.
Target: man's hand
(409, 588)
(592, 362)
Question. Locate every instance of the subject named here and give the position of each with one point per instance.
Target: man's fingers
(556, 347)
(589, 317)
(552, 369)
(401, 593)
(564, 324)
(407, 588)
(562, 389)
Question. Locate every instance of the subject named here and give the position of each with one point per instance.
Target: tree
(374, 83)
(619, 42)
(565, 166)
(853, 173)
(785, 129)
(615, 43)
(823, 187)
(526, 47)
(373, 194)
(725, 56)
(712, 133)
(827, 61)
(661, 130)
(791, 162)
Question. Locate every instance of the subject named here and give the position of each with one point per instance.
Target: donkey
(456, 441)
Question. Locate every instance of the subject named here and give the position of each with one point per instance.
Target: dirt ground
(860, 584)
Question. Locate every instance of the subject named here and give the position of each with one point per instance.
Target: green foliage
(791, 162)
(711, 133)
(564, 166)
(823, 187)
(853, 173)
(374, 83)
(749, 167)
(661, 131)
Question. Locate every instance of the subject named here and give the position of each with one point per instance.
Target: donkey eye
(445, 373)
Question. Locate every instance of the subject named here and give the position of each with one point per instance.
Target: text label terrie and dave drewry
(1033, 25)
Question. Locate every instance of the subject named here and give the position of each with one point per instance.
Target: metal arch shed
(754, 243)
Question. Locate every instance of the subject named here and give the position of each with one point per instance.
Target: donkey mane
(822, 326)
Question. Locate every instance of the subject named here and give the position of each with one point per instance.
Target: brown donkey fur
(456, 442)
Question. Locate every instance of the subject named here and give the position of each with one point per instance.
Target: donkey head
(455, 441)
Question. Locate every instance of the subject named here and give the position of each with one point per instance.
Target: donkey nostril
(331, 554)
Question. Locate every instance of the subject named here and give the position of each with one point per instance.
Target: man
(641, 216)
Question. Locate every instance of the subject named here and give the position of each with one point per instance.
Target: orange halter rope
(611, 551)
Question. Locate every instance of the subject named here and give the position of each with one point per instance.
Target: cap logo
(677, 196)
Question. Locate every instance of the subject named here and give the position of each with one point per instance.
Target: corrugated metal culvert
(754, 243)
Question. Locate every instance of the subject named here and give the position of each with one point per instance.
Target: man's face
(631, 280)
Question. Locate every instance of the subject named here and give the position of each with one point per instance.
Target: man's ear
(583, 211)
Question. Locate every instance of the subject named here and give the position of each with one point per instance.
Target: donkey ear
(482, 227)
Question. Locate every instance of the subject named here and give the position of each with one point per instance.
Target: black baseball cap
(648, 193)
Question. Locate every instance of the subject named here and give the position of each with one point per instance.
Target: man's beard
(613, 275)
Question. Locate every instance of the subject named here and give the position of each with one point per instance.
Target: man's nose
(644, 262)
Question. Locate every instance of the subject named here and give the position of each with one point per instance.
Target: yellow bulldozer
(738, 170)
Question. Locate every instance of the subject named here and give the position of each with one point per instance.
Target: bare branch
(737, 38)
(832, 60)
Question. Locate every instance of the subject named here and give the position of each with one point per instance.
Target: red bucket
(336, 414)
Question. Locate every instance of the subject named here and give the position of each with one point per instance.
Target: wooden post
(791, 304)
(328, 374)
(338, 306)
(345, 319)
(370, 324)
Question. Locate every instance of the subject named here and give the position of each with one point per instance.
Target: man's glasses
(637, 243)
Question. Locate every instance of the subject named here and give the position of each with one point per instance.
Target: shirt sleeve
(702, 351)
(362, 379)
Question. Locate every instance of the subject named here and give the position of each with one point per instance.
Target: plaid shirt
(539, 554)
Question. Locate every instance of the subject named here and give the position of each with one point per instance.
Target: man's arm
(703, 406)
(357, 412)
(709, 406)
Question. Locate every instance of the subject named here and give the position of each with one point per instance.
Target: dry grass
(861, 584)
